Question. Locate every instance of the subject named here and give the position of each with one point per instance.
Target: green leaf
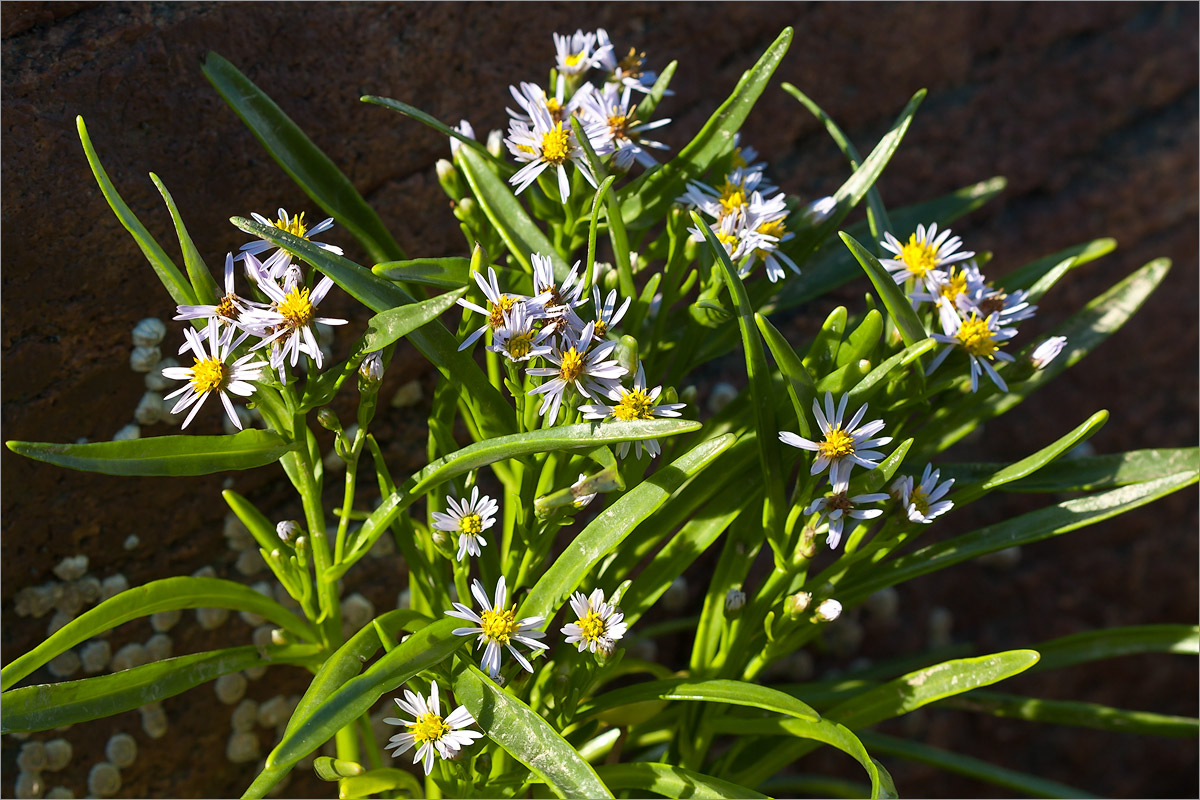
(819, 359)
(567, 437)
(445, 273)
(261, 528)
(897, 303)
(1082, 715)
(646, 199)
(668, 781)
(426, 648)
(862, 340)
(396, 323)
(878, 377)
(170, 276)
(303, 161)
(1080, 648)
(737, 693)
(168, 594)
(436, 124)
(648, 104)
(800, 383)
(1088, 472)
(527, 737)
(46, 706)
(606, 532)
(376, 781)
(1019, 782)
(203, 285)
(1027, 528)
(877, 216)
(162, 455)
(504, 210)
(495, 415)
(1030, 274)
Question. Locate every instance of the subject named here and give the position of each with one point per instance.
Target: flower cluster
(975, 316)
(540, 134)
(283, 318)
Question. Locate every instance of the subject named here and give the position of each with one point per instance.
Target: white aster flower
(228, 309)
(278, 261)
(768, 220)
(532, 98)
(836, 507)
(734, 234)
(842, 446)
(516, 339)
(428, 731)
(556, 300)
(574, 54)
(626, 71)
(608, 314)
(576, 366)
(547, 143)
(925, 252)
(987, 301)
(610, 107)
(212, 374)
(292, 317)
(923, 501)
(980, 339)
(498, 303)
(469, 519)
(632, 404)
(1047, 351)
(498, 627)
(733, 196)
(951, 290)
(599, 625)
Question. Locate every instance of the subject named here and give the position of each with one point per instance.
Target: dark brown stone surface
(1088, 109)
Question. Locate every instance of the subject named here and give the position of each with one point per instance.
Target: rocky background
(1089, 111)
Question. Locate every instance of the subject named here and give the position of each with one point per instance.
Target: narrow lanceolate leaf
(663, 779)
(162, 455)
(170, 276)
(46, 706)
(646, 199)
(731, 692)
(426, 648)
(494, 416)
(1032, 527)
(800, 384)
(396, 323)
(436, 124)
(527, 737)
(877, 378)
(877, 217)
(609, 529)
(303, 161)
(1019, 782)
(862, 340)
(504, 210)
(450, 272)
(1080, 648)
(1083, 715)
(169, 594)
(893, 297)
(647, 105)
(1088, 472)
(568, 437)
(898, 697)
(203, 285)
(760, 390)
(1032, 273)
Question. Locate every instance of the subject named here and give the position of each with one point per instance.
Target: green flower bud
(328, 420)
(797, 604)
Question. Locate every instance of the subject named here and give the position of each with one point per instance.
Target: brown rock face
(1089, 110)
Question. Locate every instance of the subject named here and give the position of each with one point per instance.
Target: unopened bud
(627, 354)
(818, 211)
(288, 530)
(448, 177)
(279, 636)
(605, 647)
(734, 600)
(370, 371)
(828, 610)
(1047, 351)
(479, 258)
(495, 143)
(797, 603)
(329, 420)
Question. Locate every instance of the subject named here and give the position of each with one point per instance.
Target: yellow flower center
(572, 365)
(520, 344)
(496, 311)
(631, 64)
(592, 626)
(499, 625)
(573, 59)
(208, 375)
(428, 728)
(956, 285)
(919, 257)
(738, 161)
(733, 197)
(919, 499)
(556, 147)
(555, 109)
(471, 523)
(837, 444)
(634, 405)
(296, 308)
(617, 125)
(977, 338)
(778, 228)
(226, 308)
(294, 226)
(728, 239)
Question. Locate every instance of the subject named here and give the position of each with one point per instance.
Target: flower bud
(828, 610)
(818, 211)
(627, 354)
(734, 600)
(288, 531)
(448, 177)
(495, 143)
(328, 419)
(797, 603)
(370, 372)
(605, 647)
(1047, 351)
